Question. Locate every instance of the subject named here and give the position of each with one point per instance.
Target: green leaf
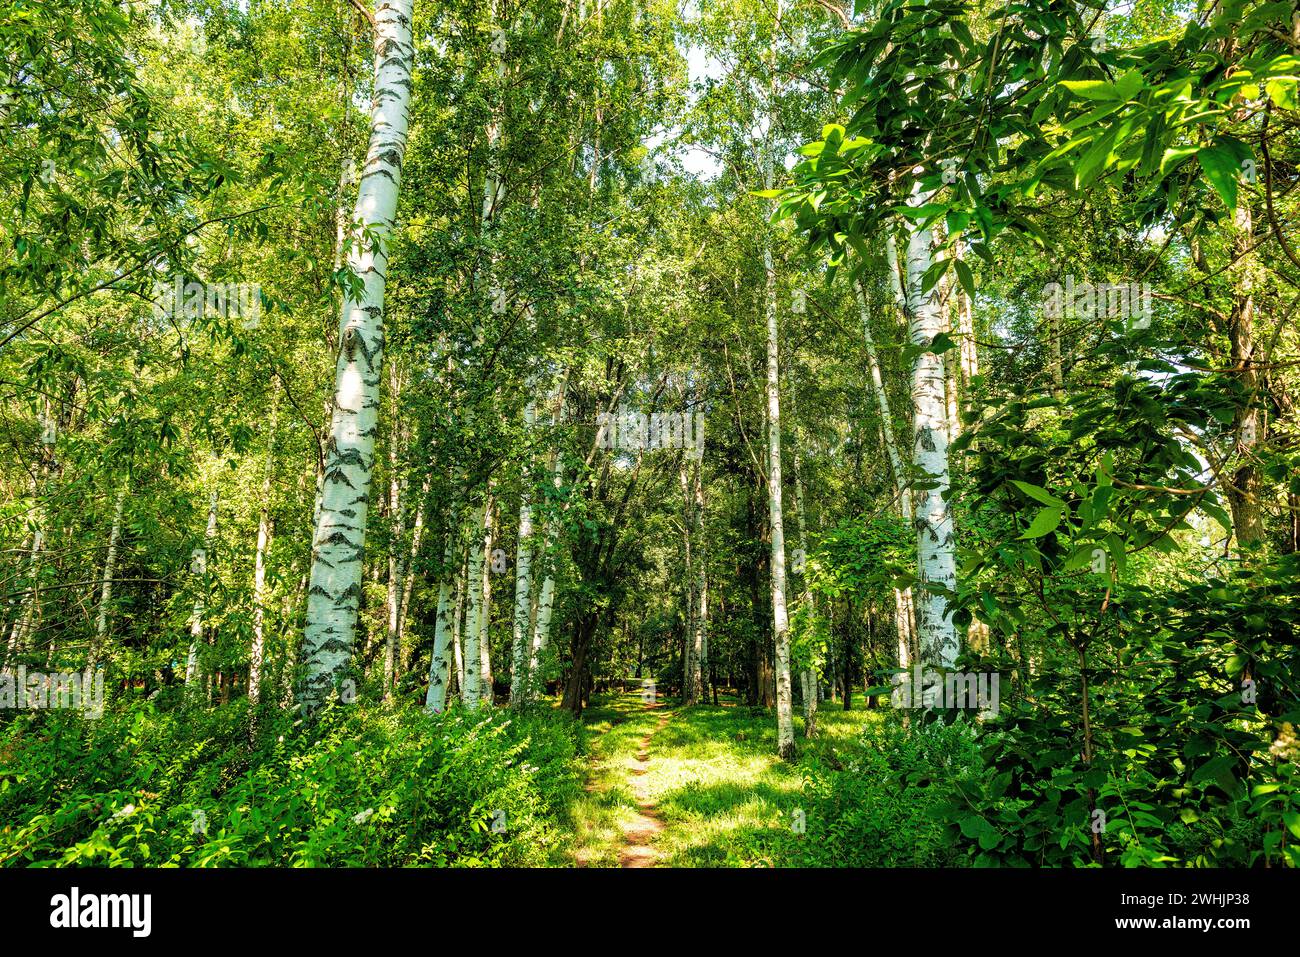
(965, 277)
(1282, 91)
(990, 838)
(1221, 169)
(1129, 85)
(941, 344)
(1292, 819)
(1044, 522)
(1092, 89)
(1038, 494)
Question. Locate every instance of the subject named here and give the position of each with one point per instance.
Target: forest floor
(670, 786)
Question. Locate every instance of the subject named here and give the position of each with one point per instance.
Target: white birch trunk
(522, 619)
(25, 622)
(470, 665)
(417, 538)
(702, 615)
(192, 674)
(396, 502)
(457, 623)
(106, 583)
(334, 595)
(257, 651)
(780, 618)
(436, 698)
(808, 676)
(882, 401)
(690, 684)
(934, 526)
(485, 619)
(902, 600)
(546, 594)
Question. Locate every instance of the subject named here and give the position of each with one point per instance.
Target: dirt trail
(639, 834)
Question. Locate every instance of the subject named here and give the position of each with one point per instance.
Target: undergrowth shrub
(357, 787)
(878, 808)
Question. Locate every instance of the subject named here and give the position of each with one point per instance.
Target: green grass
(724, 797)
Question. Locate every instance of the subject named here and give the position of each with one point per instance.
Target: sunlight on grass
(712, 775)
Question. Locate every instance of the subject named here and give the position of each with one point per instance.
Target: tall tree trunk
(486, 691)
(396, 505)
(436, 697)
(546, 594)
(690, 676)
(334, 595)
(780, 621)
(700, 647)
(256, 652)
(521, 637)
(902, 598)
(808, 676)
(417, 539)
(479, 555)
(192, 670)
(1244, 487)
(934, 526)
(106, 583)
(25, 622)
(946, 306)
(457, 623)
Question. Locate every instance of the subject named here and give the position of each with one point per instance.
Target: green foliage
(877, 806)
(362, 788)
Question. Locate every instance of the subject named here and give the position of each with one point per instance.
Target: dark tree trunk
(575, 687)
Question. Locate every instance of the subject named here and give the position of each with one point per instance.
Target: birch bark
(902, 598)
(106, 584)
(192, 671)
(546, 593)
(780, 619)
(522, 618)
(469, 689)
(396, 571)
(334, 593)
(256, 651)
(808, 676)
(29, 611)
(486, 694)
(436, 697)
(933, 520)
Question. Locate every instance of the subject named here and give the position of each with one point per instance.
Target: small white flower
(124, 813)
(363, 816)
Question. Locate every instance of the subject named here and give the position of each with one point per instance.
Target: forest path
(670, 786)
(646, 826)
(617, 821)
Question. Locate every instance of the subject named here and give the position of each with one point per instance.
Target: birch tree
(902, 484)
(200, 567)
(780, 618)
(936, 538)
(522, 618)
(257, 651)
(334, 593)
(106, 582)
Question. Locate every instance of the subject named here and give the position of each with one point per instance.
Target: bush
(879, 809)
(358, 787)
